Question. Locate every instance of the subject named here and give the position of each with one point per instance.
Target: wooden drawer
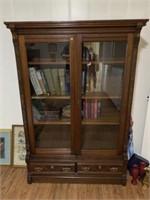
(99, 169)
(53, 168)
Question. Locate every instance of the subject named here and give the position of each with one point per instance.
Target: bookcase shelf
(53, 122)
(50, 97)
(104, 62)
(47, 62)
(98, 95)
(104, 119)
(79, 133)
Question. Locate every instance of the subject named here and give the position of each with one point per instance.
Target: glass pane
(49, 68)
(50, 136)
(48, 110)
(99, 137)
(46, 51)
(102, 78)
(49, 73)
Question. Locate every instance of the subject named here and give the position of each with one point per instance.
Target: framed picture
(52, 47)
(5, 147)
(18, 146)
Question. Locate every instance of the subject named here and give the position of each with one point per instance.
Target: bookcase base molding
(77, 170)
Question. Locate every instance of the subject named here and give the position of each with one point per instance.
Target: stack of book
(52, 114)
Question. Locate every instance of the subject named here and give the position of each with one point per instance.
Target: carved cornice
(99, 26)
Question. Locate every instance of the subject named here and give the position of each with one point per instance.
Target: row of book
(56, 81)
(91, 109)
(50, 81)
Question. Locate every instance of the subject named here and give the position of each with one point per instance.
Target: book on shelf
(35, 82)
(83, 81)
(61, 75)
(91, 108)
(56, 82)
(49, 79)
(39, 76)
(67, 81)
(45, 82)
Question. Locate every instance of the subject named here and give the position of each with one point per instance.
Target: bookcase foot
(123, 180)
(29, 179)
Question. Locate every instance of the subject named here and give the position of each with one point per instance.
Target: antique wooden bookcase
(76, 83)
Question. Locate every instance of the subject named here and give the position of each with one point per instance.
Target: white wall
(36, 10)
(146, 143)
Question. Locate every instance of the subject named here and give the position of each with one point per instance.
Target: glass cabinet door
(102, 80)
(50, 90)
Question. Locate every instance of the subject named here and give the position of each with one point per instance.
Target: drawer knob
(99, 167)
(113, 169)
(38, 169)
(85, 169)
(66, 169)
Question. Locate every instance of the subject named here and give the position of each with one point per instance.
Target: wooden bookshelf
(80, 136)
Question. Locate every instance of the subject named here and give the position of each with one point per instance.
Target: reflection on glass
(49, 68)
(102, 78)
(49, 73)
(52, 136)
(49, 110)
(44, 51)
(102, 72)
(51, 116)
(100, 137)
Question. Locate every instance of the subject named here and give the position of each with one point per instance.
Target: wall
(34, 10)
(146, 143)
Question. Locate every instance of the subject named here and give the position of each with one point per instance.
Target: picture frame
(18, 146)
(5, 146)
(52, 47)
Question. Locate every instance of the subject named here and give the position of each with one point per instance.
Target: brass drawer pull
(38, 169)
(52, 167)
(85, 169)
(99, 167)
(66, 169)
(113, 169)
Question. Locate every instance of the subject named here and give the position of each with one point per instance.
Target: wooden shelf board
(98, 95)
(47, 62)
(105, 119)
(104, 62)
(50, 97)
(53, 122)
